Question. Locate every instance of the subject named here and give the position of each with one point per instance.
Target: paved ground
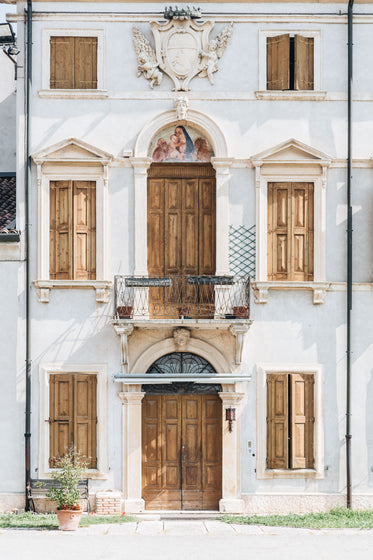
(186, 540)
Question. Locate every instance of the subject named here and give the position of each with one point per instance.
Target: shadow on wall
(369, 427)
(8, 133)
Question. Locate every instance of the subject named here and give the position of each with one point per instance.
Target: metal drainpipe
(349, 258)
(28, 44)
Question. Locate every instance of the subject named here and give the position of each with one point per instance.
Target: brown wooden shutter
(60, 230)
(303, 63)
(84, 230)
(85, 417)
(277, 421)
(302, 421)
(173, 231)
(279, 231)
(278, 65)
(62, 62)
(61, 416)
(207, 226)
(302, 231)
(85, 62)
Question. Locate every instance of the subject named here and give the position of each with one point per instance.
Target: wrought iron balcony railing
(189, 297)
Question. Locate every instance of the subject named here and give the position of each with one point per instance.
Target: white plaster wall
(74, 328)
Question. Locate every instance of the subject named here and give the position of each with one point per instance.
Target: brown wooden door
(181, 451)
(181, 232)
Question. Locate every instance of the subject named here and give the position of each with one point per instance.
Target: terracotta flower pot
(183, 311)
(125, 311)
(68, 519)
(241, 311)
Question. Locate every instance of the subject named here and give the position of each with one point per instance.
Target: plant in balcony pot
(125, 311)
(71, 468)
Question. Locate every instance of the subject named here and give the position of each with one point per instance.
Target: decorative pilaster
(132, 488)
(231, 501)
(140, 167)
(222, 167)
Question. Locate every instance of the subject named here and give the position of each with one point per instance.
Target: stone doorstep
(163, 515)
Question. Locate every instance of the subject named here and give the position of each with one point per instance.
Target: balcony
(182, 298)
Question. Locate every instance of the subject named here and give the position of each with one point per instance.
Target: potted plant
(241, 311)
(125, 311)
(71, 468)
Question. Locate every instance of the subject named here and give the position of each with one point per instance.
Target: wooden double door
(181, 234)
(181, 451)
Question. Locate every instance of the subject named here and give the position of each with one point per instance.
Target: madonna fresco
(177, 144)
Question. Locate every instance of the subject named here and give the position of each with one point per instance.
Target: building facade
(187, 246)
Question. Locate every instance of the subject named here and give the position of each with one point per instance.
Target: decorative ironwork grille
(242, 243)
(184, 363)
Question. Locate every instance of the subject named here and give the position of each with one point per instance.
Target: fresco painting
(180, 144)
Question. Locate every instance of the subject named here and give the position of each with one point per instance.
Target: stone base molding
(231, 505)
(305, 503)
(11, 502)
(134, 506)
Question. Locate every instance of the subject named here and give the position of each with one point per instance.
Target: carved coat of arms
(182, 50)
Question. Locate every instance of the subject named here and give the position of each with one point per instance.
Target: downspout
(27, 245)
(349, 258)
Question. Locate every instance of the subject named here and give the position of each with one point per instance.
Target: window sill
(289, 473)
(90, 474)
(73, 94)
(293, 95)
(261, 289)
(101, 286)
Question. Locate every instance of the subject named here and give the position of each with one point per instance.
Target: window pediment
(72, 151)
(291, 152)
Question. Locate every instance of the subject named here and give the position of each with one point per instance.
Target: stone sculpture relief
(182, 50)
(181, 107)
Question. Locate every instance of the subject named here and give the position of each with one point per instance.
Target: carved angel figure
(215, 50)
(147, 62)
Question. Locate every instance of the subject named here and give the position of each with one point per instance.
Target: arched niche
(221, 163)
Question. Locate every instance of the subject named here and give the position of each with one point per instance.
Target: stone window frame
(264, 369)
(46, 90)
(313, 95)
(100, 371)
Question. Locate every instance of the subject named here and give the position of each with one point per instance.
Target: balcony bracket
(124, 331)
(239, 330)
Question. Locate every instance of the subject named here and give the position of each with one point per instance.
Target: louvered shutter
(278, 66)
(303, 63)
(85, 419)
(302, 421)
(84, 230)
(85, 62)
(62, 62)
(61, 416)
(277, 421)
(60, 252)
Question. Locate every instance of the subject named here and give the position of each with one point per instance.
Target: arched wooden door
(181, 442)
(181, 234)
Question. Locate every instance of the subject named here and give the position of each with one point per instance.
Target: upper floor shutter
(62, 62)
(278, 65)
(85, 62)
(290, 231)
(303, 63)
(60, 248)
(73, 62)
(84, 234)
